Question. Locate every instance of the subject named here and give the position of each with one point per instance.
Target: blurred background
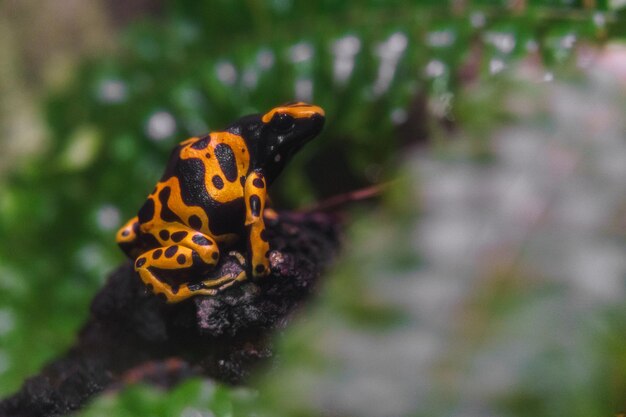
(488, 280)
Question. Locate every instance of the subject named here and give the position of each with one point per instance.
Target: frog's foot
(221, 283)
(207, 287)
(242, 276)
(186, 291)
(232, 274)
(174, 283)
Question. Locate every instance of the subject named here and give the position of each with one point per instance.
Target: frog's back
(202, 187)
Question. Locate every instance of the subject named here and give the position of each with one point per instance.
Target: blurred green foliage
(202, 65)
(189, 399)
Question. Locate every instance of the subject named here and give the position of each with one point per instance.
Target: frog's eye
(281, 122)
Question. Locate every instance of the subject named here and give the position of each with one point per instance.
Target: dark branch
(132, 335)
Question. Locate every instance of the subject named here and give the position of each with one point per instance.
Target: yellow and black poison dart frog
(212, 194)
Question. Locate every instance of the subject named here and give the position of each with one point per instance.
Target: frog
(212, 197)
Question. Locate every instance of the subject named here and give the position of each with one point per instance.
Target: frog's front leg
(185, 254)
(127, 238)
(255, 193)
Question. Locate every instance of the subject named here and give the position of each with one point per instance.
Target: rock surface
(132, 335)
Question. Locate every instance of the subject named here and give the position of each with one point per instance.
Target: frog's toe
(242, 276)
(239, 257)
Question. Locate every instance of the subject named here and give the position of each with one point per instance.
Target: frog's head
(274, 137)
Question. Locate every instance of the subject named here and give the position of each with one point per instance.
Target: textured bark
(132, 335)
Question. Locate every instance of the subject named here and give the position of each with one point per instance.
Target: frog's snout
(317, 123)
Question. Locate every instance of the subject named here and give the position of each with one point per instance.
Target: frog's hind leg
(168, 270)
(172, 270)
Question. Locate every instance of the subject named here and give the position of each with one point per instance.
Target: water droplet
(301, 52)
(561, 46)
(112, 91)
(398, 116)
(82, 148)
(599, 19)
(532, 45)
(440, 38)
(435, 68)
(478, 19)
(347, 46)
(160, 125)
(389, 53)
(502, 41)
(342, 69)
(440, 105)
(265, 59)
(108, 217)
(568, 41)
(226, 72)
(250, 78)
(304, 89)
(394, 47)
(344, 50)
(496, 65)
